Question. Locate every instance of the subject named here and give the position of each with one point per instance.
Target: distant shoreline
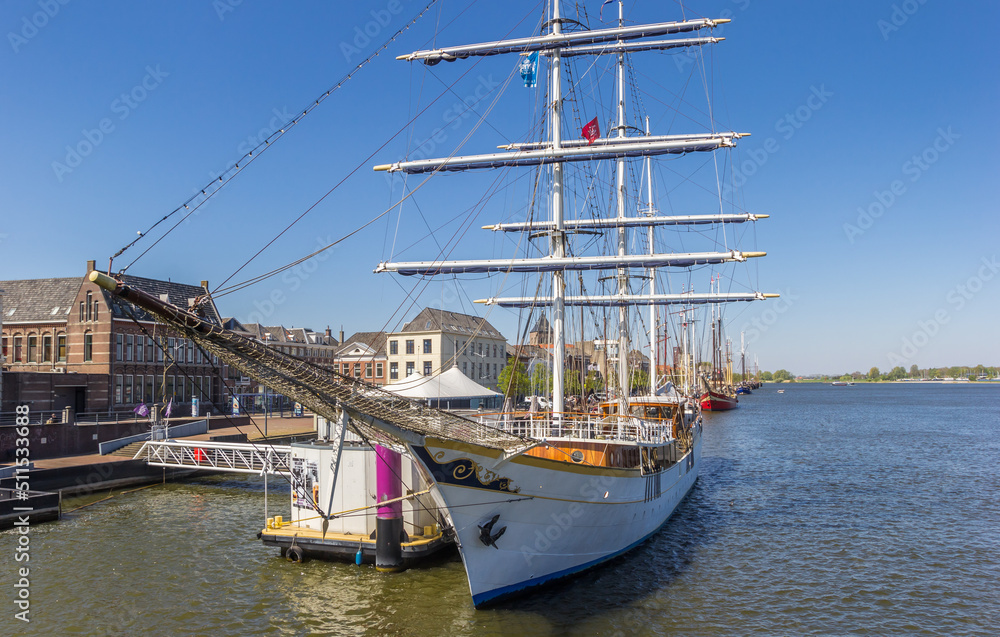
(890, 382)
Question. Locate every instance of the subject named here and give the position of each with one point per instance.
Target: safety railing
(219, 456)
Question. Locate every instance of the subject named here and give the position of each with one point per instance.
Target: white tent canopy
(452, 384)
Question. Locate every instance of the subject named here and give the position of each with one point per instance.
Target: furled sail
(627, 147)
(552, 264)
(626, 300)
(627, 222)
(558, 40)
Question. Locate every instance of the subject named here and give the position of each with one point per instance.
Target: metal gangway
(234, 457)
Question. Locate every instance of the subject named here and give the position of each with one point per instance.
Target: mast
(622, 231)
(558, 247)
(652, 276)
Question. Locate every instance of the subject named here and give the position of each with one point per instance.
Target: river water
(871, 509)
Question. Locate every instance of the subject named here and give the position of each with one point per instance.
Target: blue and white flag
(529, 69)
(602, 8)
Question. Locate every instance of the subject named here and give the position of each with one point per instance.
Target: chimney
(204, 284)
(91, 266)
(341, 334)
(329, 334)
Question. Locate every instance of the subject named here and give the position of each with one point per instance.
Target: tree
(896, 373)
(519, 385)
(571, 382)
(766, 376)
(541, 380)
(914, 371)
(783, 375)
(874, 374)
(638, 380)
(594, 382)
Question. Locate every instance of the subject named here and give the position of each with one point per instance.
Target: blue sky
(873, 150)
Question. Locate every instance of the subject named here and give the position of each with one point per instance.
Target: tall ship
(532, 498)
(718, 392)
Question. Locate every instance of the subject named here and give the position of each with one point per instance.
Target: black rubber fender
(295, 554)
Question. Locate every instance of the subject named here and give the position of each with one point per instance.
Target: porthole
(577, 456)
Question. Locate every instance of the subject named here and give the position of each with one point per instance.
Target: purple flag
(170, 407)
(142, 410)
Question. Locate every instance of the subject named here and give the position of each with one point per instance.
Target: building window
(481, 349)
(119, 347)
(17, 349)
(456, 347)
(129, 342)
(32, 348)
(494, 350)
(465, 369)
(357, 370)
(494, 370)
(368, 370)
(393, 371)
(82, 312)
(148, 395)
(3, 351)
(96, 306)
(118, 389)
(149, 349)
(427, 368)
(181, 392)
(159, 349)
(88, 347)
(378, 370)
(169, 394)
(480, 370)
(409, 347)
(189, 345)
(90, 306)
(197, 355)
(128, 389)
(427, 346)
(409, 368)
(170, 351)
(47, 348)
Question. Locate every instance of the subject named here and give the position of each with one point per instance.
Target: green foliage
(638, 380)
(521, 383)
(541, 381)
(594, 382)
(783, 375)
(896, 374)
(874, 374)
(766, 376)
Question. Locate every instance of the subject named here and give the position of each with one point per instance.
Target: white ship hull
(560, 518)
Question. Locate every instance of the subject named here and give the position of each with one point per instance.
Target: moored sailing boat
(531, 499)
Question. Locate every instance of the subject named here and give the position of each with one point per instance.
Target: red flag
(591, 131)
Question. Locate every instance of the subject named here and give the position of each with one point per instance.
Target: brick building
(363, 356)
(121, 355)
